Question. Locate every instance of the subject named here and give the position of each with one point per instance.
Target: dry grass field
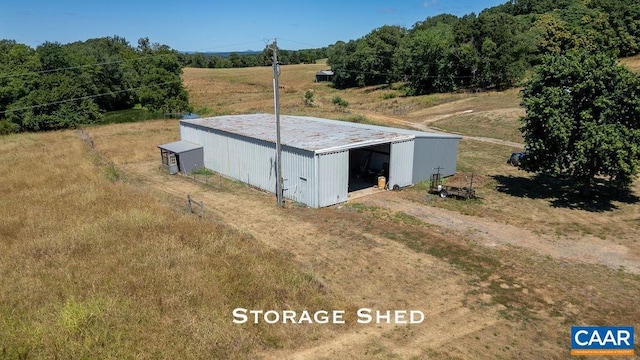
(94, 266)
(632, 63)
(99, 257)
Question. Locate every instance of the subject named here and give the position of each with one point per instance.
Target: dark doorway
(366, 165)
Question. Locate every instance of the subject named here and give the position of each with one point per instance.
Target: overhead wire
(39, 72)
(399, 75)
(47, 71)
(87, 97)
(170, 82)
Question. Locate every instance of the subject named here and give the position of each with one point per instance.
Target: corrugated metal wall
(315, 180)
(191, 160)
(401, 166)
(432, 153)
(298, 168)
(253, 161)
(333, 178)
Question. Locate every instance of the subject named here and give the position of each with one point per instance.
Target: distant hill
(223, 54)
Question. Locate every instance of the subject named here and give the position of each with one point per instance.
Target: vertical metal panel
(333, 178)
(431, 153)
(298, 174)
(191, 160)
(253, 161)
(401, 166)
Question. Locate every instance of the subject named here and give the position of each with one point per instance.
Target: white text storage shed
(322, 160)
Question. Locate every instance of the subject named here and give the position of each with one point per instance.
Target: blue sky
(217, 25)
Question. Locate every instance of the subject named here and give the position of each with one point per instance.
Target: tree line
(264, 58)
(493, 49)
(56, 86)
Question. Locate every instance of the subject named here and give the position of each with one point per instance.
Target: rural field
(100, 257)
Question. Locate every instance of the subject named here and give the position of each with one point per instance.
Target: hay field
(94, 265)
(100, 259)
(515, 195)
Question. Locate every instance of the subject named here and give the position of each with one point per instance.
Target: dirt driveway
(583, 249)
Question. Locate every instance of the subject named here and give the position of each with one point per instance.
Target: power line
(82, 66)
(230, 45)
(87, 97)
(400, 75)
(40, 72)
(316, 46)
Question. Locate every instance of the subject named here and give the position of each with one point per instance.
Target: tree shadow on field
(563, 193)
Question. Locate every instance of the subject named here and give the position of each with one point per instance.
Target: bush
(308, 98)
(7, 127)
(339, 102)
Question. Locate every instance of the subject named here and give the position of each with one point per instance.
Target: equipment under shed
(322, 160)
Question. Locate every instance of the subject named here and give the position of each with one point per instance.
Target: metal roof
(308, 133)
(416, 133)
(178, 147)
(190, 116)
(325, 72)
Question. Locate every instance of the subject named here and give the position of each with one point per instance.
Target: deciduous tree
(583, 119)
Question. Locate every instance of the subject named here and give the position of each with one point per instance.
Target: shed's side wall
(333, 178)
(298, 173)
(432, 153)
(191, 160)
(401, 166)
(253, 161)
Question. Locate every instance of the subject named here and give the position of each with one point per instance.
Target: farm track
(423, 126)
(368, 271)
(581, 249)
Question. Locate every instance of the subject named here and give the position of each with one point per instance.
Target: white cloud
(429, 3)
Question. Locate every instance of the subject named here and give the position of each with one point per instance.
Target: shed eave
(179, 146)
(361, 144)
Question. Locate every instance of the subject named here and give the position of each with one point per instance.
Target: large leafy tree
(367, 61)
(504, 48)
(58, 97)
(583, 119)
(19, 68)
(160, 71)
(425, 57)
(60, 86)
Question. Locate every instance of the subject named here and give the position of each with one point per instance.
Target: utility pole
(276, 100)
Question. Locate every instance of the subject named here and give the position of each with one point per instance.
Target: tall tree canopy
(583, 119)
(368, 61)
(58, 86)
(492, 49)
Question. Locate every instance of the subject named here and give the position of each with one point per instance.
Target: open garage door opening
(367, 165)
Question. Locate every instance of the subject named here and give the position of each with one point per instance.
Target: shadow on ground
(562, 192)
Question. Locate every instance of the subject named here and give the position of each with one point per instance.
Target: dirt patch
(367, 269)
(487, 232)
(462, 179)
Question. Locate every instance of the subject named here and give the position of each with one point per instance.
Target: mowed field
(99, 257)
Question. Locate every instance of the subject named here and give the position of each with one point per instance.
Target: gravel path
(586, 249)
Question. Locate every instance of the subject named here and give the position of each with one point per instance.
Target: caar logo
(602, 340)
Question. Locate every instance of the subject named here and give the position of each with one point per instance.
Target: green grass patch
(407, 219)
(203, 171)
(113, 173)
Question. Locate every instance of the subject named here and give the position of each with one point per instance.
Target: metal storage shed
(324, 75)
(431, 150)
(181, 156)
(319, 156)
